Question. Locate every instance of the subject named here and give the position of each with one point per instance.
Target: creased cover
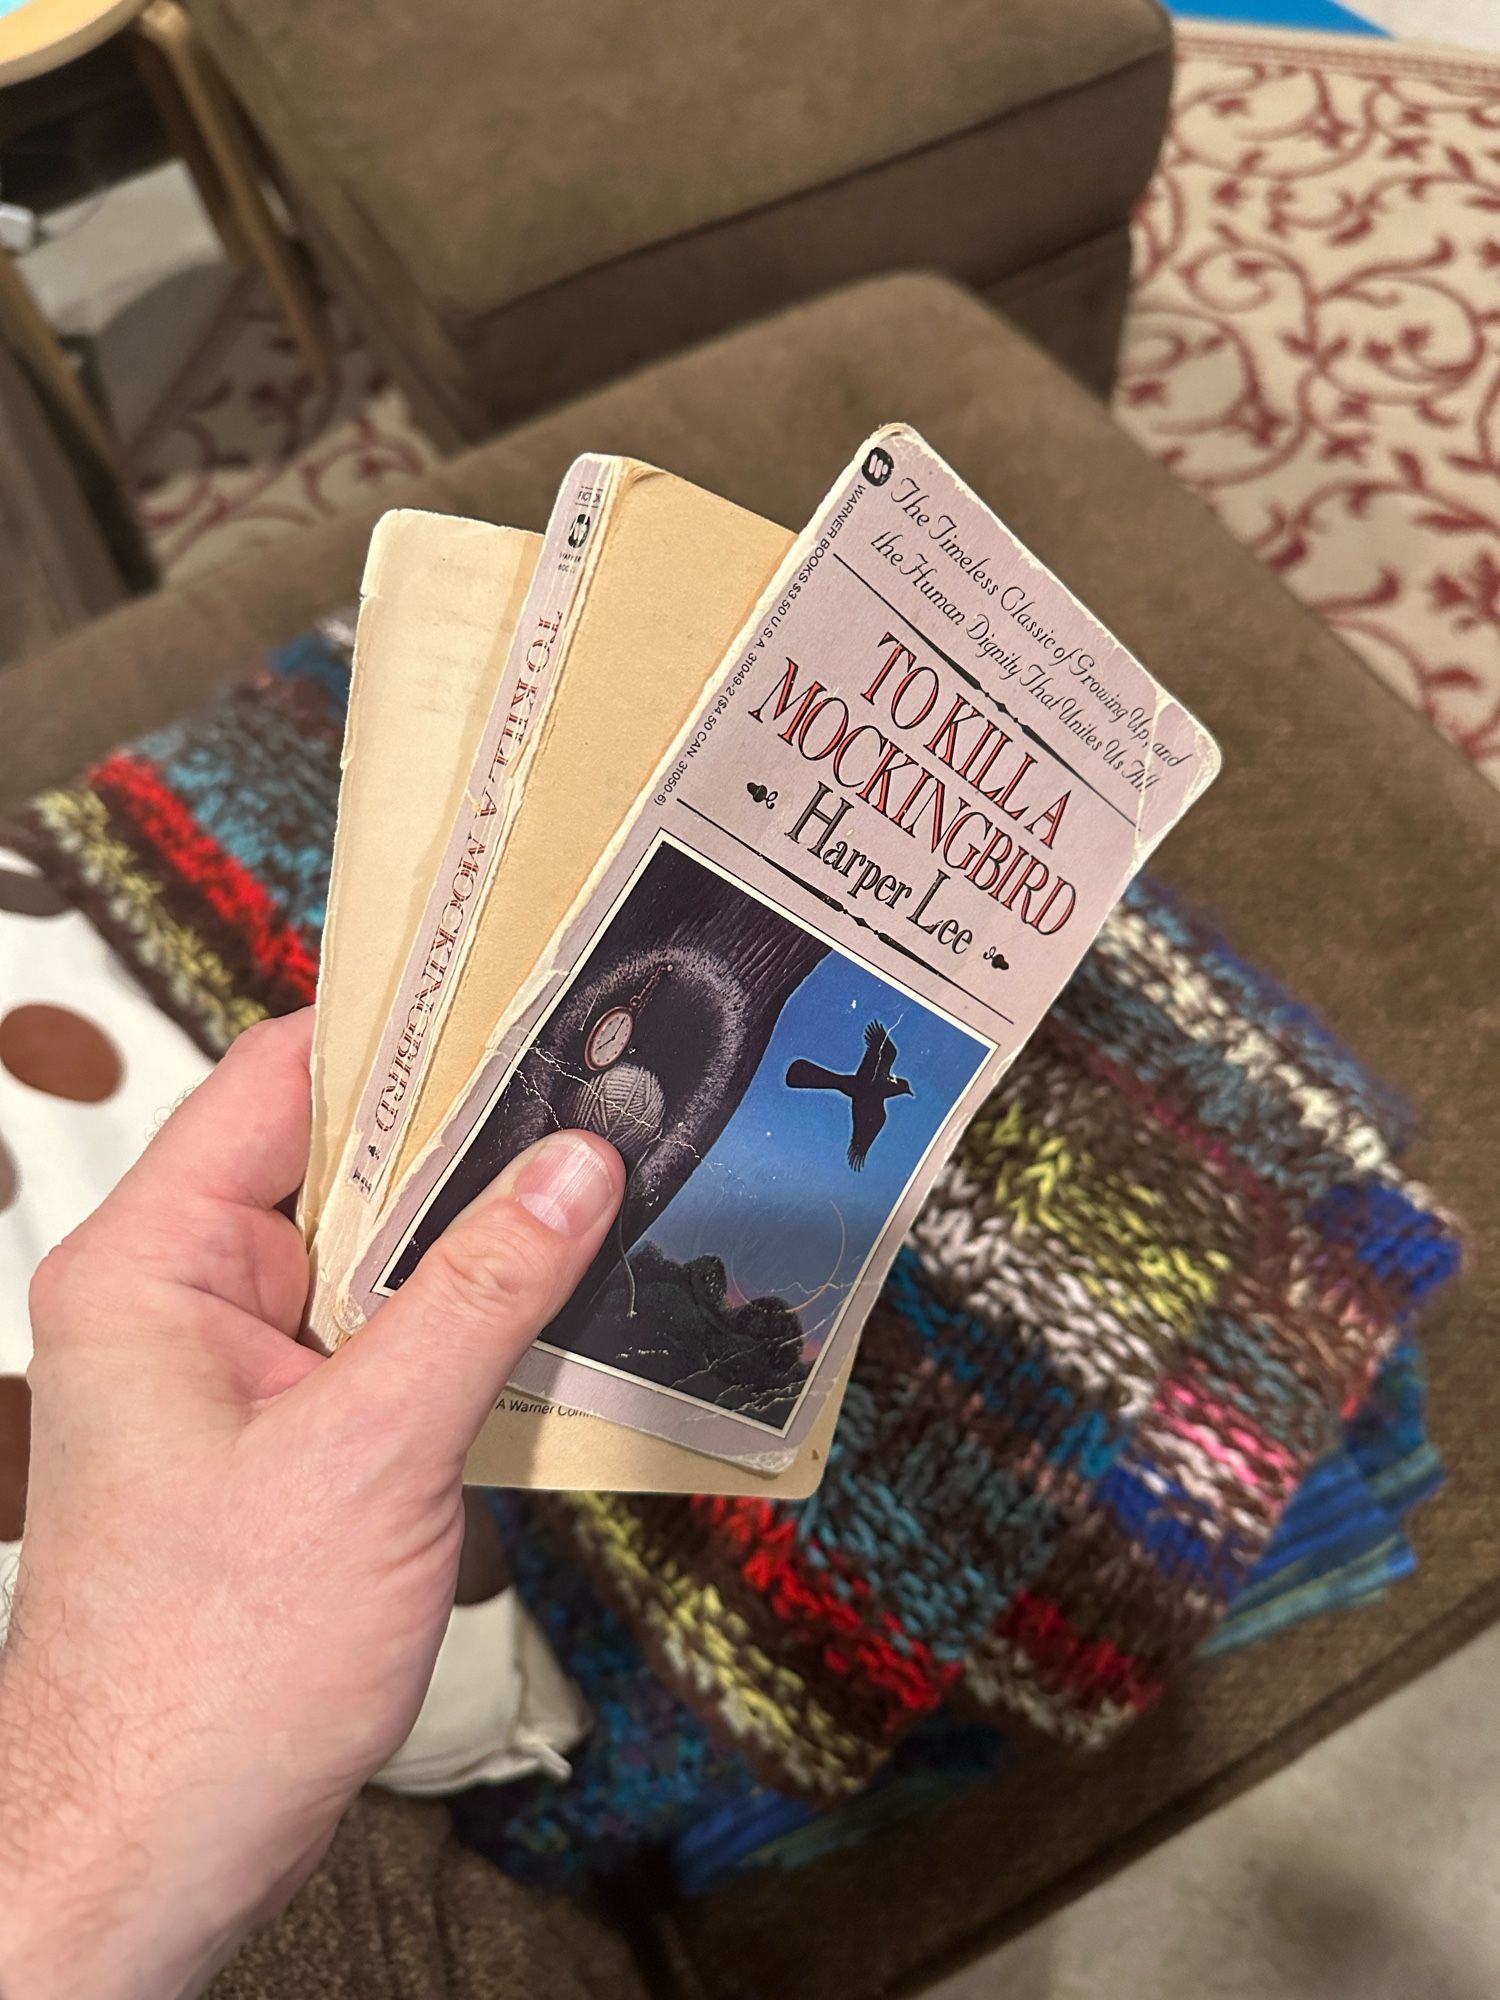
(920, 782)
(467, 867)
(458, 879)
(438, 607)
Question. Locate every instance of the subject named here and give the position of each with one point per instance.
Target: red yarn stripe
(897, 1666)
(137, 791)
(1091, 1669)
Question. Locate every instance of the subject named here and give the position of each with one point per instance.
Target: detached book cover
(915, 786)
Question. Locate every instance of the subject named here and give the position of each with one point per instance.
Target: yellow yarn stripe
(710, 1644)
(198, 976)
(1037, 1179)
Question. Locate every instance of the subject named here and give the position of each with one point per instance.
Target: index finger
(242, 1137)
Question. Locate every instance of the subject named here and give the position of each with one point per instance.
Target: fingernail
(562, 1180)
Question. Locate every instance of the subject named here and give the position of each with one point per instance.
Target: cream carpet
(1314, 341)
(1367, 1870)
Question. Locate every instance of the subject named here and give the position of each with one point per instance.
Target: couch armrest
(58, 567)
(153, 659)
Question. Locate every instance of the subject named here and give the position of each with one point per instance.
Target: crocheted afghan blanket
(1341, 1543)
(1160, 1270)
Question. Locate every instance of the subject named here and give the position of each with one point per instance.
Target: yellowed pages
(677, 574)
(440, 599)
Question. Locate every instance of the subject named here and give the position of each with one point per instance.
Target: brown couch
(58, 566)
(522, 200)
(1346, 846)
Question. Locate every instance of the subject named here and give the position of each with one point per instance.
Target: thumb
(444, 1347)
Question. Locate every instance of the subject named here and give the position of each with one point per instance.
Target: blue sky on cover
(775, 1198)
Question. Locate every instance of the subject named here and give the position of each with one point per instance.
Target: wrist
(79, 1883)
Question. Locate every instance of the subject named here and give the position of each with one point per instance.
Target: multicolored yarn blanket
(1341, 1543)
(1158, 1275)
(653, 1783)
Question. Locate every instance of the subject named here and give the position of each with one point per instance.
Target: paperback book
(762, 857)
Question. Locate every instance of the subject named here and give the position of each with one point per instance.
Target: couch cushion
(1346, 846)
(530, 198)
(397, 1909)
(57, 568)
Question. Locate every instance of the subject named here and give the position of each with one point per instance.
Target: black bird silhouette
(868, 1090)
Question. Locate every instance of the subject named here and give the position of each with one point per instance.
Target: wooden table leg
(165, 26)
(188, 143)
(25, 325)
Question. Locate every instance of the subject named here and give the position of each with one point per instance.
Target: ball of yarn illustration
(625, 1105)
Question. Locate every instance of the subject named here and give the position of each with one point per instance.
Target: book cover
(917, 785)
(439, 604)
(460, 885)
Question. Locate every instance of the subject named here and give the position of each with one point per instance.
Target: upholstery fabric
(58, 569)
(1170, 1251)
(525, 201)
(399, 1911)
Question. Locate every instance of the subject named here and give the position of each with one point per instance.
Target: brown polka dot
(15, 1454)
(24, 895)
(56, 1050)
(10, 1177)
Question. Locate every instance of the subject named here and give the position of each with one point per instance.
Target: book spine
(457, 897)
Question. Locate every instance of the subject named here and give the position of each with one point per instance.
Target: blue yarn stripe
(240, 802)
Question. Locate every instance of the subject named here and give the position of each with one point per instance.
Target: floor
(1311, 344)
(121, 269)
(1367, 1869)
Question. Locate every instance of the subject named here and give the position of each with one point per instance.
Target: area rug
(1314, 341)
(245, 447)
(1313, 346)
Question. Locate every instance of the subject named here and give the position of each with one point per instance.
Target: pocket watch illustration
(611, 1035)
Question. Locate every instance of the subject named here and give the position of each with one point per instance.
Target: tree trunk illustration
(653, 1045)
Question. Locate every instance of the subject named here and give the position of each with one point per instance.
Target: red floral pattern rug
(1314, 346)
(1314, 341)
(245, 447)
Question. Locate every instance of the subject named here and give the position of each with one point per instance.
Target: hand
(239, 1556)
